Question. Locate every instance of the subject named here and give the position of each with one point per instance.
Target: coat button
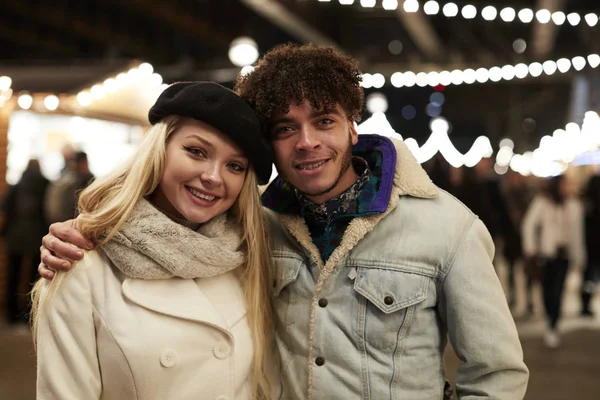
(168, 358)
(319, 361)
(221, 350)
(388, 300)
(323, 303)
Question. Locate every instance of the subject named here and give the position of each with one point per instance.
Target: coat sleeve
(68, 367)
(480, 327)
(531, 221)
(577, 237)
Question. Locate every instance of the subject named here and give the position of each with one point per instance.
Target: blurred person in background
(518, 197)
(558, 217)
(481, 192)
(61, 200)
(591, 199)
(24, 226)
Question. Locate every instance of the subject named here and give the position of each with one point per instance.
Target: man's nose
(308, 139)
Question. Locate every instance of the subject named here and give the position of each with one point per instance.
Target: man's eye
(326, 121)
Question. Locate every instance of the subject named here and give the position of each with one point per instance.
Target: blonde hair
(107, 203)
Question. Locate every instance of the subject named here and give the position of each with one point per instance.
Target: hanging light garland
(480, 75)
(488, 13)
(143, 75)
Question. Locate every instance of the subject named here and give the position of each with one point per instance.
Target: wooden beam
(421, 32)
(544, 35)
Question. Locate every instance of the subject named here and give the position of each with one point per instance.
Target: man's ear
(353, 132)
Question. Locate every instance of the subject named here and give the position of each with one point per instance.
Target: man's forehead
(305, 106)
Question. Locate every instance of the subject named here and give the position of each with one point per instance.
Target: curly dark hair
(318, 74)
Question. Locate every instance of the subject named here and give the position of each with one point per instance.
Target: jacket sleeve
(577, 237)
(68, 367)
(480, 327)
(531, 220)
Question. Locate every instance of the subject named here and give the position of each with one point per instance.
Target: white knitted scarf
(152, 246)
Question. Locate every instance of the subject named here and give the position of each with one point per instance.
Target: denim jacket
(373, 321)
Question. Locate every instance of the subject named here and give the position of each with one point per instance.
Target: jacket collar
(180, 298)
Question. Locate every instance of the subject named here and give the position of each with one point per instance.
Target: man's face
(313, 150)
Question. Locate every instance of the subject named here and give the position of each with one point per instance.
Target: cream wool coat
(106, 336)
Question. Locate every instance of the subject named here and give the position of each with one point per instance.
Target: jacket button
(388, 300)
(168, 358)
(221, 350)
(323, 303)
(319, 361)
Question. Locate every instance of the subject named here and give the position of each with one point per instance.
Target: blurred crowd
(28, 208)
(545, 226)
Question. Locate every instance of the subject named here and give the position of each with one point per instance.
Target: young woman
(173, 302)
(553, 234)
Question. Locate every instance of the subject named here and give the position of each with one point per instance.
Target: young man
(376, 267)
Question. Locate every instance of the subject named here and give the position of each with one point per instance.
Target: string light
(483, 75)
(487, 12)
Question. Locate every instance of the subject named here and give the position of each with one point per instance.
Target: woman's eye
(237, 167)
(194, 150)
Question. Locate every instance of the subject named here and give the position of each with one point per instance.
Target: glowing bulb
(543, 16)
(146, 69)
(450, 10)
(248, 69)
(51, 102)
(397, 79)
(367, 3)
(578, 63)
(489, 13)
(482, 75)
(535, 69)
(526, 15)
(389, 4)
(508, 14)
(445, 78)
(469, 76)
(495, 74)
(521, 70)
(508, 72)
(155, 79)
(25, 101)
(549, 67)
(574, 19)
(594, 60)
(5, 83)
(421, 79)
(410, 79)
(559, 17)
(431, 8)
(378, 81)
(433, 78)
(84, 98)
(469, 11)
(564, 64)
(411, 6)
(110, 85)
(97, 91)
(591, 19)
(457, 77)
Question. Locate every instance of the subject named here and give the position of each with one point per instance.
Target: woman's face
(204, 173)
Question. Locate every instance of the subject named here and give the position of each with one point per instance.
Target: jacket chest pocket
(386, 302)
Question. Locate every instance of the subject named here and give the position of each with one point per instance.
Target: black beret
(220, 108)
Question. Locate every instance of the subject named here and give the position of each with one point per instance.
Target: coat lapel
(180, 298)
